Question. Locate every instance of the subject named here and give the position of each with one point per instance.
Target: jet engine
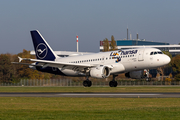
(100, 72)
(135, 74)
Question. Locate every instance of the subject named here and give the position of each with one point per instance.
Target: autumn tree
(175, 63)
(6, 69)
(113, 45)
(106, 45)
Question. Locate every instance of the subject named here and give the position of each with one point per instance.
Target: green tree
(6, 68)
(106, 45)
(175, 62)
(113, 45)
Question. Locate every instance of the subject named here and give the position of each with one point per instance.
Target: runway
(100, 95)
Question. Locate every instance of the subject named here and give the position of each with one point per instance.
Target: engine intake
(100, 72)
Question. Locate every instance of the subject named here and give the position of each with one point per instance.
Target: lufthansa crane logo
(41, 51)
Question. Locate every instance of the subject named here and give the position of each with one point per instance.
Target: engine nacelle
(100, 72)
(135, 74)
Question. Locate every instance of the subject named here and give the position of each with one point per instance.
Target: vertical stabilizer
(41, 47)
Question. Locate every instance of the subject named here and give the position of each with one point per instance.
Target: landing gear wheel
(113, 83)
(87, 83)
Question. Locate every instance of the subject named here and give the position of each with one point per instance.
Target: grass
(28, 108)
(155, 89)
(59, 108)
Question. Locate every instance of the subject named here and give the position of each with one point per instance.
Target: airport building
(130, 44)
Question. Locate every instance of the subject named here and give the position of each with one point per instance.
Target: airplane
(95, 65)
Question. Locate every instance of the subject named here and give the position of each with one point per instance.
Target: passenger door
(141, 55)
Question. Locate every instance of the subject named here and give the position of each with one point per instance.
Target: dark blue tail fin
(42, 49)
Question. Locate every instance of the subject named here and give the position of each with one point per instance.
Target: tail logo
(41, 50)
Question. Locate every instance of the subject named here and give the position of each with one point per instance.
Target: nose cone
(166, 59)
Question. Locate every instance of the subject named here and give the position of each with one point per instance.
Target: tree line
(14, 72)
(109, 46)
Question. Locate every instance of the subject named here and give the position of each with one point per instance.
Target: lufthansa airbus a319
(96, 65)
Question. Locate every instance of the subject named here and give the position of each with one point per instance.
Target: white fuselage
(119, 61)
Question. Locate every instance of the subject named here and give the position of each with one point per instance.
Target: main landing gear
(113, 83)
(87, 83)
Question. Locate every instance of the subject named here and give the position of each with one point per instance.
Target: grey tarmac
(98, 95)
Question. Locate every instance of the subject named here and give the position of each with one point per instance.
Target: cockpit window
(160, 53)
(156, 52)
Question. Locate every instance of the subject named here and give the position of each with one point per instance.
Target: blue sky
(59, 21)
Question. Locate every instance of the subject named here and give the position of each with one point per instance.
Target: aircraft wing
(21, 63)
(61, 65)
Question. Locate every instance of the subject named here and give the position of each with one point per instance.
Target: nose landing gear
(88, 83)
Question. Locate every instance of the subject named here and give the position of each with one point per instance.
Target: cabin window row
(100, 59)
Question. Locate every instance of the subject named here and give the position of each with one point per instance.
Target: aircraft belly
(131, 66)
(73, 73)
